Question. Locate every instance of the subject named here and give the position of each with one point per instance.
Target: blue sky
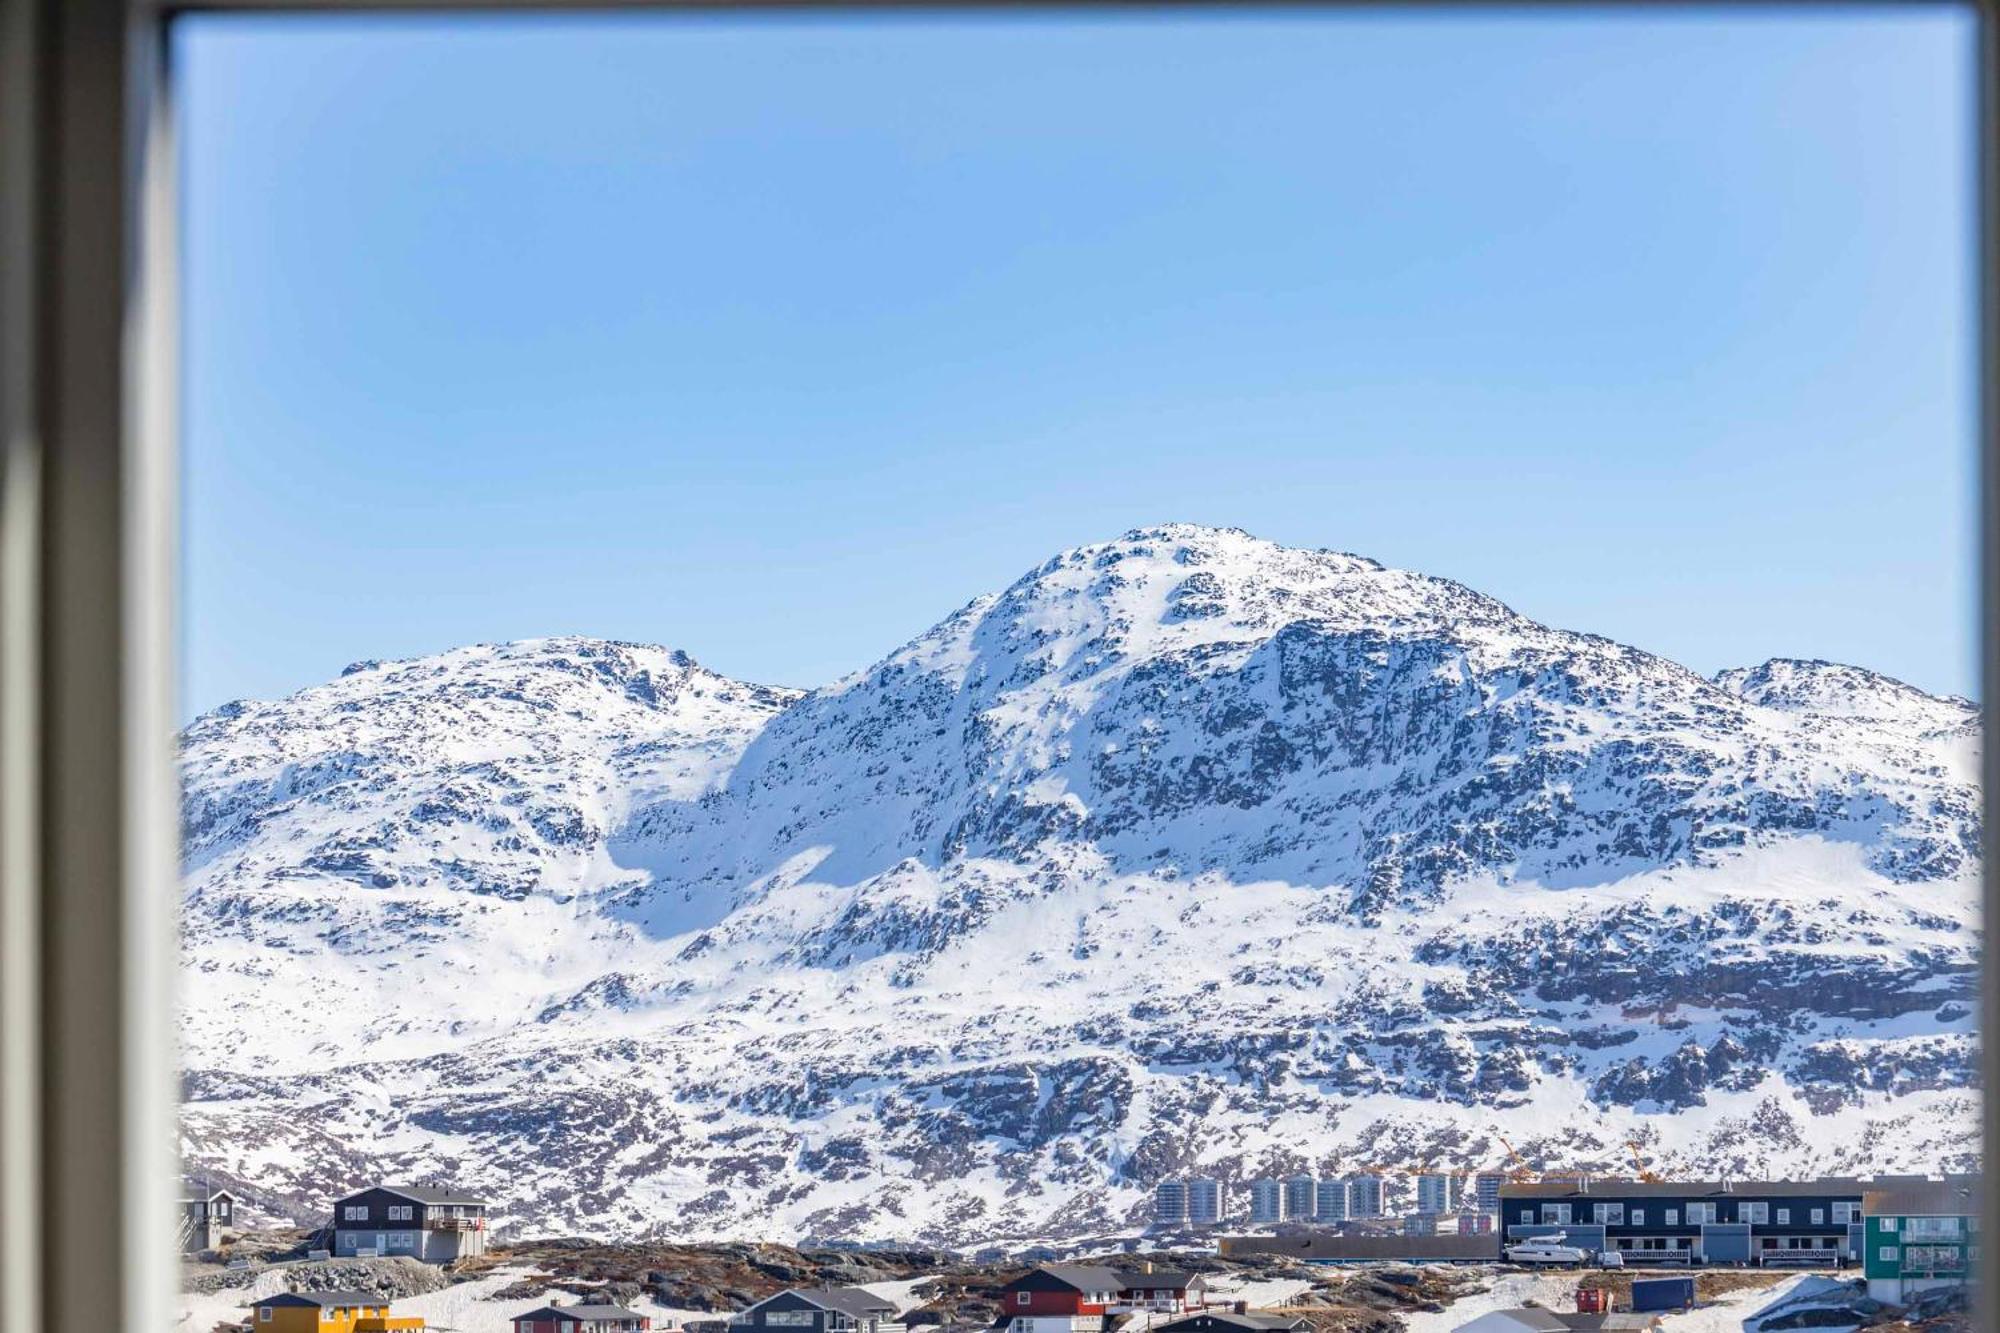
(776, 339)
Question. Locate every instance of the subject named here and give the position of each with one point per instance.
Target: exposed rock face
(1186, 850)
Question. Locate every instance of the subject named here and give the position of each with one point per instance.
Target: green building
(1919, 1234)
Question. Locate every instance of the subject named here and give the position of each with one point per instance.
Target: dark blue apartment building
(1807, 1223)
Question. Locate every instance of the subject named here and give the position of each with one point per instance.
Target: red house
(582, 1319)
(1059, 1298)
(1162, 1290)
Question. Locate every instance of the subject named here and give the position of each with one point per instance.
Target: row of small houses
(1908, 1234)
(1055, 1298)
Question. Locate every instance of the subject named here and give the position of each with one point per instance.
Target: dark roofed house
(1536, 1320)
(1161, 1290)
(1234, 1321)
(330, 1312)
(581, 1319)
(1768, 1223)
(426, 1222)
(1059, 1298)
(820, 1310)
(206, 1216)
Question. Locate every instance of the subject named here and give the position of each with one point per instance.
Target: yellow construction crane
(1520, 1171)
(1639, 1164)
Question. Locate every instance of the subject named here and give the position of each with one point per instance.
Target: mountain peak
(1187, 852)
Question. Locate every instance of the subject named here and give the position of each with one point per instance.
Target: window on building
(1818, 1216)
(1846, 1212)
(1784, 1216)
(1608, 1214)
(1756, 1214)
(1555, 1214)
(1889, 1223)
(1700, 1213)
(263, 1314)
(1638, 1217)
(1673, 1217)
(1887, 1254)
(1020, 1298)
(399, 1212)
(355, 1212)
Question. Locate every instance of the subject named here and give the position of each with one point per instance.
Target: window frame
(88, 554)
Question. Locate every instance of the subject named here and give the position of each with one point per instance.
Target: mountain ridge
(1035, 862)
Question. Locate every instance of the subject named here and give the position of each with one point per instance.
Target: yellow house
(330, 1312)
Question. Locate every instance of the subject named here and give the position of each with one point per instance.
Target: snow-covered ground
(1258, 1292)
(464, 1307)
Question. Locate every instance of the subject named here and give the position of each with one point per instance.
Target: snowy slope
(1186, 850)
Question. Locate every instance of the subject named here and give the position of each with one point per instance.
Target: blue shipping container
(1662, 1293)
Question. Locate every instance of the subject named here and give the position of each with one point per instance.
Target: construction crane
(1639, 1164)
(1520, 1171)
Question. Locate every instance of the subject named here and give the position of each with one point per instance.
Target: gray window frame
(88, 554)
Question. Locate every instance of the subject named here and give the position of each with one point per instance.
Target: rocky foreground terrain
(1184, 852)
(698, 1286)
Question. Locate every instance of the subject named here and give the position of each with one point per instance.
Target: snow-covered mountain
(1186, 851)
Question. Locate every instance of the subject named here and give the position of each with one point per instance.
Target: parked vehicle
(1610, 1258)
(1547, 1250)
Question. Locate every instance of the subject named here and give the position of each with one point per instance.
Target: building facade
(1433, 1193)
(434, 1225)
(206, 1217)
(1208, 1201)
(1170, 1203)
(1301, 1192)
(819, 1310)
(1234, 1321)
(581, 1319)
(1059, 1298)
(1919, 1235)
(1152, 1290)
(329, 1312)
(1486, 1191)
(1773, 1224)
(1330, 1200)
(1267, 1201)
(1364, 1195)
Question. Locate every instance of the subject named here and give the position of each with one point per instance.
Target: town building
(1267, 1201)
(582, 1319)
(1472, 1223)
(1160, 1290)
(1235, 1321)
(1767, 1223)
(1059, 1298)
(1486, 1190)
(820, 1310)
(1532, 1319)
(1208, 1201)
(434, 1225)
(1429, 1224)
(329, 1312)
(1919, 1235)
(1300, 1197)
(1364, 1195)
(1330, 1200)
(1170, 1203)
(207, 1216)
(1433, 1193)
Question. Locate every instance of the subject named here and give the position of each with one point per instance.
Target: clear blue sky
(778, 339)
